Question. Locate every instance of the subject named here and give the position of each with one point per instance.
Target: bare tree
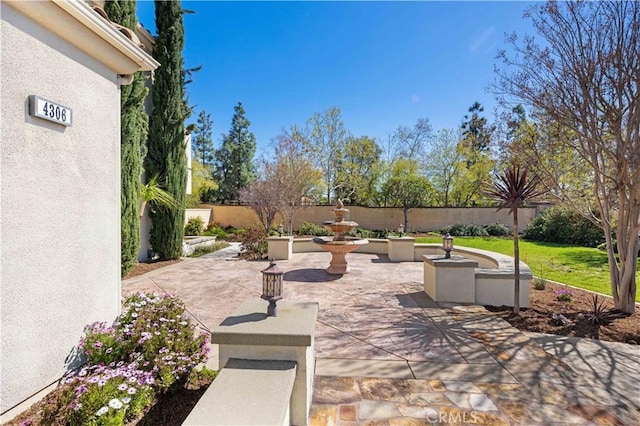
(292, 174)
(586, 78)
(263, 197)
(410, 142)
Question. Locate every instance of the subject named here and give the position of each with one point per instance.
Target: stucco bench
(247, 392)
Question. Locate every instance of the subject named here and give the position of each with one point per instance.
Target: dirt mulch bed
(615, 326)
(144, 267)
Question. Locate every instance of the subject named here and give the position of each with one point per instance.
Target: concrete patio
(387, 354)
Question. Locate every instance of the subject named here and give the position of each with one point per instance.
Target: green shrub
(155, 332)
(194, 226)
(312, 229)
(253, 243)
(215, 231)
(201, 251)
(560, 225)
(497, 229)
(564, 295)
(539, 283)
(462, 230)
(379, 233)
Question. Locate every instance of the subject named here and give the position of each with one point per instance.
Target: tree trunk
(622, 268)
(405, 213)
(624, 282)
(516, 256)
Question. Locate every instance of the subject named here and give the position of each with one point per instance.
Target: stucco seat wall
(494, 275)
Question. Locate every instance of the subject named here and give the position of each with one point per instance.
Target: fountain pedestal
(340, 244)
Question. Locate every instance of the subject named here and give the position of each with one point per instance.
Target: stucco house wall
(60, 199)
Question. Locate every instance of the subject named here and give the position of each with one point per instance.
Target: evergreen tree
(134, 124)
(475, 131)
(202, 142)
(166, 157)
(235, 167)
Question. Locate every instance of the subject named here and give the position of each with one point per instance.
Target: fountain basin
(339, 250)
(340, 228)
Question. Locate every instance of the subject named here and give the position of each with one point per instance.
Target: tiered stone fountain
(340, 244)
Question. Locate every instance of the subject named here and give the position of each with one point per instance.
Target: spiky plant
(153, 194)
(512, 189)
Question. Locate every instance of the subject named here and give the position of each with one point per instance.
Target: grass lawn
(577, 266)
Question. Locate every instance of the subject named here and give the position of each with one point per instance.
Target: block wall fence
(420, 219)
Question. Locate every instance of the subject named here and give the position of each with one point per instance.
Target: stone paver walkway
(387, 354)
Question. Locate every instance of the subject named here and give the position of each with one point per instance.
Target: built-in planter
(190, 244)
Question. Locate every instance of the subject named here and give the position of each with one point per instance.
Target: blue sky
(384, 64)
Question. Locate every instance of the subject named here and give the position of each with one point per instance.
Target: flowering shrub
(152, 331)
(102, 344)
(108, 395)
(564, 295)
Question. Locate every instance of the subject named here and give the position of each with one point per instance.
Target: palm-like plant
(512, 189)
(153, 193)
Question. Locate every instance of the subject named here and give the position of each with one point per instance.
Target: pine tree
(133, 127)
(234, 159)
(166, 157)
(202, 142)
(475, 130)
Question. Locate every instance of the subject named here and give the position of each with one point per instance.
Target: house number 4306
(45, 109)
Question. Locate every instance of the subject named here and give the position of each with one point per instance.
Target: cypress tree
(134, 124)
(166, 156)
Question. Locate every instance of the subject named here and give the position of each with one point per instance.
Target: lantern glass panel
(447, 242)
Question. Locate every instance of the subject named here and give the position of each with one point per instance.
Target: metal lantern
(400, 229)
(447, 245)
(280, 230)
(272, 287)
